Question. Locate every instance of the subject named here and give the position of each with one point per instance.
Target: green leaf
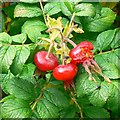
(69, 112)
(19, 38)
(15, 26)
(33, 29)
(84, 86)
(4, 80)
(29, 1)
(47, 109)
(9, 11)
(53, 100)
(21, 88)
(28, 71)
(104, 39)
(96, 112)
(7, 54)
(2, 22)
(56, 97)
(16, 108)
(52, 8)
(22, 55)
(27, 10)
(65, 9)
(5, 38)
(69, 5)
(109, 63)
(84, 9)
(100, 96)
(113, 102)
(116, 40)
(100, 22)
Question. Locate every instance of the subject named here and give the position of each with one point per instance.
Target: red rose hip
(45, 63)
(65, 72)
(87, 45)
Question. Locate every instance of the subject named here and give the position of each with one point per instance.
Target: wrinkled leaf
(96, 112)
(7, 54)
(116, 40)
(100, 22)
(21, 88)
(16, 108)
(100, 96)
(19, 38)
(104, 39)
(53, 99)
(56, 97)
(65, 9)
(27, 10)
(52, 8)
(84, 9)
(84, 85)
(4, 80)
(47, 109)
(28, 71)
(33, 29)
(5, 38)
(22, 55)
(69, 112)
(109, 63)
(113, 102)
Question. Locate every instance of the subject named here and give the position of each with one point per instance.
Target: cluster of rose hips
(80, 54)
(65, 72)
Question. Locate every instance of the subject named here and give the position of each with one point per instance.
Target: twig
(50, 48)
(56, 29)
(43, 11)
(70, 41)
(75, 101)
(41, 94)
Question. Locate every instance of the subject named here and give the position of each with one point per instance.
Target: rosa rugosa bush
(59, 59)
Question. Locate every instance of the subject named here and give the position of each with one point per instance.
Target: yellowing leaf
(52, 24)
(78, 30)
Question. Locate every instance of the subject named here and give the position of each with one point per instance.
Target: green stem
(71, 21)
(56, 29)
(70, 41)
(75, 101)
(50, 48)
(41, 94)
(43, 11)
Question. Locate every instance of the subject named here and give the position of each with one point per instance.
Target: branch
(70, 41)
(75, 101)
(43, 11)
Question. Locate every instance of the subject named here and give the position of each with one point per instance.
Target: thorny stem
(50, 48)
(40, 96)
(43, 11)
(52, 41)
(63, 54)
(70, 25)
(105, 78)
(56, 29)
(37, 100)
(71, 29)
(71, 21)
(46, 39)
(70, 41)
(75, 101)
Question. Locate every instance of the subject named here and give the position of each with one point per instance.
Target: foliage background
(22, 24)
